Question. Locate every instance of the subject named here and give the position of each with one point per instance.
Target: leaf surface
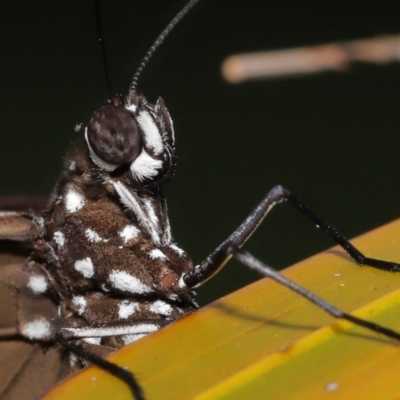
(264, 341)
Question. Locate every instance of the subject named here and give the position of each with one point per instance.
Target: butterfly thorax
(112, 257)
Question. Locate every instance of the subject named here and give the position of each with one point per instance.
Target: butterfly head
(132, 133)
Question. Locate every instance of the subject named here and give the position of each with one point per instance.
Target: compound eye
(113, 135)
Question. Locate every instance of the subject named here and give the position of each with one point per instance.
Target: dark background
(331, 138)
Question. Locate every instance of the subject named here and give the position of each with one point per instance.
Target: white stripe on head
(152, 135)
(145, 166)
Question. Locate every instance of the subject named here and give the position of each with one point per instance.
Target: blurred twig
(310, 60)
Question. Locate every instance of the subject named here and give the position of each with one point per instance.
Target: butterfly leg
(253, 263)
(354, 253)
(65, 337)
(231, 247)
(99, 361)
(217, 259)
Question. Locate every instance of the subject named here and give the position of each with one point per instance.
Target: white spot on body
(37, 284)
(128, 283)
(74, 201)
(145, 166)
(152, 135)
(156, 253)
(59, 238)
(127, 308)
(80, 302)
(177, 250)
(72, 166)
(128, 233)
(161, 307)
(37, 329)
(93, 236)
(92, 340)
(85, 267)
(337, 274)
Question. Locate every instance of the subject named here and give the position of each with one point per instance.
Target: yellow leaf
(264, 341)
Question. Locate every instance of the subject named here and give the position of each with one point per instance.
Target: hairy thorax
(105, 263)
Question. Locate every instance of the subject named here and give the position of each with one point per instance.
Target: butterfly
(92, 235)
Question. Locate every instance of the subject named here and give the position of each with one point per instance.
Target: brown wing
(23, 203)
(27, 369)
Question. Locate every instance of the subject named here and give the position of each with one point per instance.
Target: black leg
(111, 368)
(232, 247)
(218, 258)
(66, 335)
(247, 259)
(354, 253)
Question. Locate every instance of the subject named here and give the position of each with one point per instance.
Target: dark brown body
(99, 257)
(27, 368)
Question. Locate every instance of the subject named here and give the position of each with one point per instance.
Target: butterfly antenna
(158, 42)
(103, 49)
